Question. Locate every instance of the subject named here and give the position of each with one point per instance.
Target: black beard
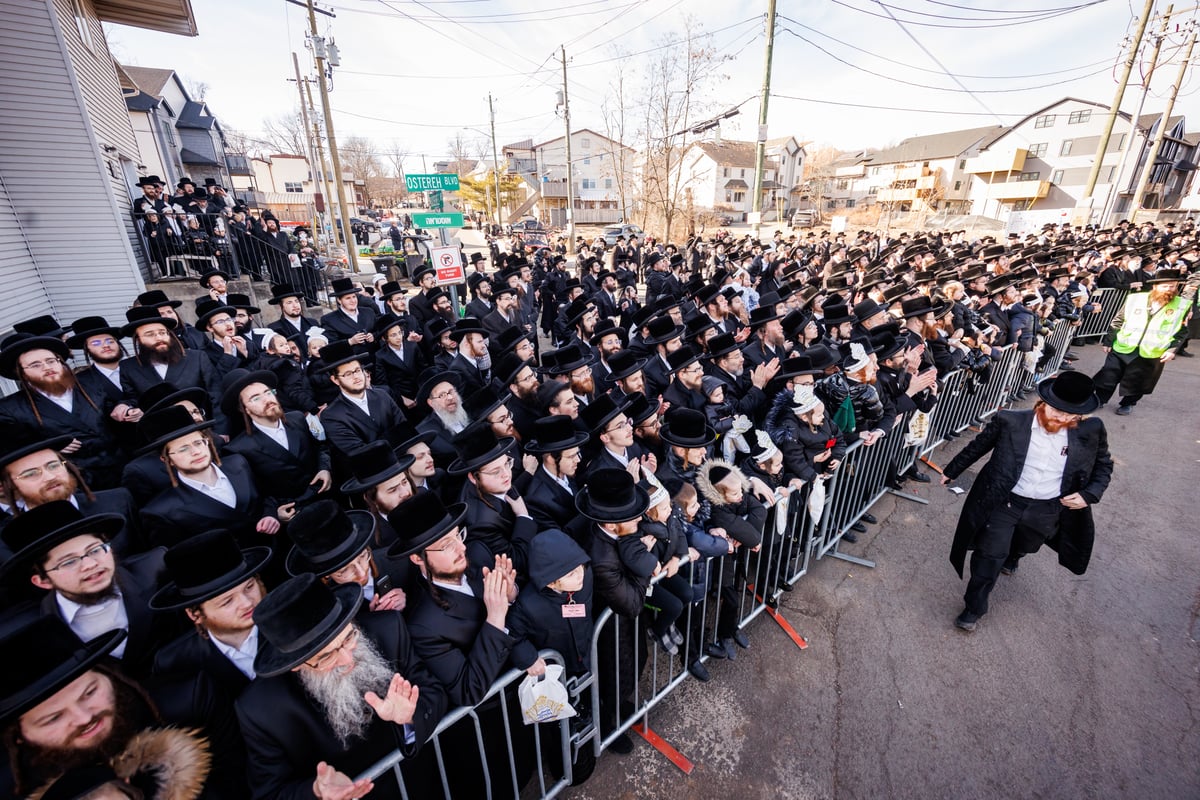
(92, 598)
(173, 355)
(107, 362)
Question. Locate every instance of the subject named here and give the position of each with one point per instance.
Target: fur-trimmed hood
(704, 482)
(164, 763)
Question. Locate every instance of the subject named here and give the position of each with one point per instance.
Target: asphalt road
(1071, 687)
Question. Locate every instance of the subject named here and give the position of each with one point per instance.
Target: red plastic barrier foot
(660, 744)
(800, 641)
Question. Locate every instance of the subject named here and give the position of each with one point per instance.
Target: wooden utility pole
(570, 167)
(760, 149)
(1163, 124)
(495, 161)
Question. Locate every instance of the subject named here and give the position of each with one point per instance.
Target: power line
(1005, 24)
(898, 108)
(1032, 16)
(499, 19)
(1006, 10)
(429, 124)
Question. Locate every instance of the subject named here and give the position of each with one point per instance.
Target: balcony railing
(999, 161)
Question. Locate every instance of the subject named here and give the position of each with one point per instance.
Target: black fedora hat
(685, 427)
(508, 339)
(391, 289)
(29, 536)
(837, 314)
(476, 446)
(282, 291)
(421, 521)
(167, 424)
(612, 496)
(164, 394)
(201, 567)
(1071, 392)
(44, 325)
(624, 363)
(865, 309)
(721, 345)
(999, 284)
(793, 366)
(212, 273)
(762, 315)
(325, 537)
(696, 325)
(30, 444)
(433, 377)
(480, 403)
(342, 286)
(577, 308)
(565, 360)
(156, 298)
(639, 408)
(682, 357)
(334, 354)
(16, 345)
(51, 656)
(553, 434)
(505, 370)
(822, 357)
(598, 413)
(374, 463)
(85, 327)
(662, 330)
(298, 618)
(386, 322)
(241, 302)
(917, 306)
(207, 308)
(609, 329)
(1169, 275)
(465, 326)
(894, 293)
(887, 344)
(795, 321)
(150, 180)
(238, 379)
(138, 316)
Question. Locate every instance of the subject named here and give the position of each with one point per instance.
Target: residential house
(285, 185)
(65, 134)
(177, 136)
(789, 154)
(603, 170)
(720, 175)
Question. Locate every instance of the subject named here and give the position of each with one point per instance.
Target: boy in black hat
(360, 414)
(351, 321)
(497, 519)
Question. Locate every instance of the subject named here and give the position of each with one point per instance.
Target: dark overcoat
(284, 474)
(1088, 471)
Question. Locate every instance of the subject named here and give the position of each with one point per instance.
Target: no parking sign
(447, 261)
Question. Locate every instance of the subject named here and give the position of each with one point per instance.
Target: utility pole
(495, 160)
(1115, 108)
(760, 149)
(1152, 156)
(570, 167)
(322, 169)
(1114, 192)
(313, 144)
(318, 47)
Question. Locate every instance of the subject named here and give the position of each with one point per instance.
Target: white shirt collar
(241, 657)
(462, 587)
(222, 491)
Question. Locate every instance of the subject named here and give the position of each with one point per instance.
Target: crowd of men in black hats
(252, 560)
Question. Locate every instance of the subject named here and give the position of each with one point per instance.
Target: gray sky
(417, 72)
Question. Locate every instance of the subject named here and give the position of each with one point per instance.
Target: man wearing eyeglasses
(687, 376)
(69, 557)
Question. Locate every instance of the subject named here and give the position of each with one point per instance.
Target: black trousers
(1126, 370)
(1017, 527)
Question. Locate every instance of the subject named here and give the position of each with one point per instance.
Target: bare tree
(396, 156)
(196, 89)
(285, 134)
(359, 157)
(614, 110)
(461, 150)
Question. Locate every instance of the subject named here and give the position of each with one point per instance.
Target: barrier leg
(660, 744)
(862, 562)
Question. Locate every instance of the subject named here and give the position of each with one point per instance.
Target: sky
(852, 74)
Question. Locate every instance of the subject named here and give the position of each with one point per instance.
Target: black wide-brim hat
(480, 404)
(837, 314)
(373, 464)
(421, 521)
(762, 315)
(597, 414)
(662, 330)
(612, 496)
(166, 425)
(685, 427)
(85, 327)
(1070, 392)
(334, 354)
(465, 326)
(202, 567)
(566, 360)
(608, 330)
(722, 344)
(30, 446)
(342, 286)
(238, 379)
(1168, 276)
(325, 537)
(508, 339)
(36, 532)
(510, 364)
(639, 408)
(212, 273)
(50, 657)
(431, 379)
(476, 446)
(683, 357)
(156, 298)
(18, 344)
(919, 306)
(138, 316)
(624, 363)
(280, 291)
(208, 308)
(164, 394)
(554, 434)
(298, 619)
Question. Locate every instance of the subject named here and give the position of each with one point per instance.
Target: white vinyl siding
(72, 199)
(23, 296)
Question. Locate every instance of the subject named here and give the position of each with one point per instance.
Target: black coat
(182, 512)
(339, 326)
(347, 428)
(1088, 471)
(286, 734)
(287, 329)
(100, 456)
(550, 505)
(463, 651)
(681, 397)
(536, 621)
(194, 371)
(493, 529)
(399, 376)
(473, 379)
(616, 587)
(191, 654)
(282, 474)
(442, 445)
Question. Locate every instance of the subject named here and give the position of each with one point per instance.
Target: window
(1079, 116)
(843, 185)
(1056, 177)
(1065, 150)
(850, 202)
(957, 185)
(739, 197)
(728, 197)
(84, 26)
(608, 183)
(725, 172)
(589, 183)
(585, 143)
(1121, 142)
(962, 164)
(290, 186)
(1112, 173)
(587, 162)
(743, 174)
(831, 204)
(1044, 121)
(874, 190)
(1038, 150)
(1030, 176)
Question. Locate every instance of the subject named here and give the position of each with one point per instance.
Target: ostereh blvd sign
(446, 181)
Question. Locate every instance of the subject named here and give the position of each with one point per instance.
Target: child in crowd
(717, 411)
(651, 551)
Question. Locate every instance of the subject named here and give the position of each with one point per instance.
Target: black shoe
(919, 477)
(715, 650)
(741, 640)
(622, 745)
(869, 519)
(699, 672)
(1071, 356)
(967, 621)
(1010, 566)
(1124, 411)
(1065, 367)
(858, 527)
(730, 649)
(1185, 354)
(951, 435)
(787, 586)
(772, 601)
(849, 536)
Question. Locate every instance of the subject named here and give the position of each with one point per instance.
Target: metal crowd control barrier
(1094, 325)
(470, 715)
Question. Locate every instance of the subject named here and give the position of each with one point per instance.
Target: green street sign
(435, 200)
(452, 220)
(446, 181)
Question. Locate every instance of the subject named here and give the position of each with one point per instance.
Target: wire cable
(1005, 24)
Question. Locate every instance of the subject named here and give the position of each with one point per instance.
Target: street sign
(447, 261)
(450, 220)
(446, 181)
(435, 200)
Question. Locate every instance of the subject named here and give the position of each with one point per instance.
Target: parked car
(528, 225)
(369, 224)
(804, 218)
(611, 233)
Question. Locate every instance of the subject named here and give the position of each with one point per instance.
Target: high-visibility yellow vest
(1150, 334)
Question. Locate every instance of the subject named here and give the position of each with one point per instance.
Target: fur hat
(712, 472)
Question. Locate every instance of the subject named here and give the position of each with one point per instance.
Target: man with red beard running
(1048, 467)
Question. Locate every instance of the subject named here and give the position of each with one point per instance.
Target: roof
(148, 79)
(772, 185)
(1005, 131)
(167, 16)
(195, 115)
(576, 133)
(936, 145)
(141, 101)
(1149, 123)
(524, 144)
(728, 153)
(736, 183)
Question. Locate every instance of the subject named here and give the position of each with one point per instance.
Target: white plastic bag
(544, 698)
(315, 427)
(816, 500)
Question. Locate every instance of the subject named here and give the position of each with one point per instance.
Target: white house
(720, 176)
(288, 186)
(603, 171)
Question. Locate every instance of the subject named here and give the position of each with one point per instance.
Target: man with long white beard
(51, 402)
(360, 414)
(333, 696)
(159, 356)
(442, 392)
(1145, 335)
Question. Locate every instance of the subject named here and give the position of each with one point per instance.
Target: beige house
(288, 187)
